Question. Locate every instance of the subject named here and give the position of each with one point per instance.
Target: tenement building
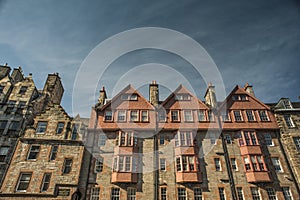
(184, 148)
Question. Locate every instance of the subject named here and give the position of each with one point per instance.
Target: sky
(254, 41)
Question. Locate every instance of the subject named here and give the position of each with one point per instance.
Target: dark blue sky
(254, 41)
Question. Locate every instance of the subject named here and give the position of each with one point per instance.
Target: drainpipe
(156, 159)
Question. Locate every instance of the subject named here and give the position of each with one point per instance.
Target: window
(53, 153)
(175, 115)
(268, 139)
(98, 165)
(115, 193)
(46, 182)
(123, 163)
(233, 164)
(102, 139)
(287, 104)
(23, 182)
(181, 193)
(248, 138)
(254, 163)
(211, 116)
(74, 132)
(60, 127)
(3, 153)
(287, 193)
(237, 115)
(41, 127)
(3, 125)
(95, 193)
(247, 164)
(67, 166)
(131, 193)
(297, 143)
(222, 193)
(250, 115)
(144, 117)
(121, 115)
(183, 97)
(126, 139)
(201, 115)
(217, 164)
(134, 116)
(255, 193)
(197, 193)
(240, 97)
(276, 164)
(133, 97)
(23, 90)
(271, 194)
(186, 163)
(289, 121)
(184, 138)
(228, 139)
(162, 164)
(161, 139)
(108, 115)
(33, 152)
(188, 116)
(263, 115)
(240, 193)
(1, 89)
(20, 107)
(163, 193)
(225, 116)
(162, 115)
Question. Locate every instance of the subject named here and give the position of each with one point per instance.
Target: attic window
(183, 97)
(240, 97)
(131, 97)
(287, 104)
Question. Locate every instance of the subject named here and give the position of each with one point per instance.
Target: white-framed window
(297, 143)
(181, 193)
(41, 127)
(240, 193)
(255, 193)
(108, 115)
(131, 193)
(23, 182)
(287, 193)
(186, 163)
(161, 115)
(201, 116)
(144, 116)
(67, 167)
(131, 97)
(124, 164)
(184, 138)
(102, 139)
(228, 139)
(95, 193)
(126, 139)
(45, 182)
(98, 165)
(268, 139)
(263, 115)
(175, 115)
(162, 164)
(211, 116)
(222, 193)
(3, 152)
(60, 127)
(53, 153)
(134, 115)
(225, 116)
(115, 194)
(237, 115)
(122, 115)
(183, 97)
(276, 164)
(218, 164)
(289, 121)
(33, 152)
(287, 104)
(250, 115)
(254, 163)
(239, 97)
(163, 193)
(188, 116)
(233, 164)
(271, 194)
(197, 193)
(248, 138)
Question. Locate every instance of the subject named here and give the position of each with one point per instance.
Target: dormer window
(108, 115)
(240, 97)
(183, 97)
(287, 104)
(175, 115)
(263, 115)
(162, 115)
(225, 116)
(131, 97)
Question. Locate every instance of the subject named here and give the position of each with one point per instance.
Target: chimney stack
(153, 93)
(102, 97)
(210, 96)
(249, 89)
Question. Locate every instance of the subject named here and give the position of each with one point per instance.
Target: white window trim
(191, 115)
(112, 116)
(241, 115)
(137, 117)
(178, 116)
(147, 119)
(125, 113)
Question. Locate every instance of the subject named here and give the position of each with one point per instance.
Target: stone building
(287, 114)
(49, 161)
(183, 148)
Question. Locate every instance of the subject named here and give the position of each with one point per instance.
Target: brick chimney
(153, 93)
(102, 97)
(210, 96)
(249, 89)
(53, 87)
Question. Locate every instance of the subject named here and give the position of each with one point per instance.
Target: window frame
(263, 117)
(3, 152)
(198, 195)
(222, 193)
(184, 138)
(297, 143)
(23, 89)
(188, 115)
(255, 193)
(98, 167)
(271, 193)
(268, 139)
(203, 117)
(250, 115)
(67, 169)
(33, 152)
(108, 116)
(115, 193)
(95, 193)
(43, 127)
(102, 139)
(239, 117)
(134, 118)
(131, 193)
(59, 129)
(218, 165)
(181, 193)
(277, 164)
(234, 165)
(289, 121)
(163, 193)
(26, 181)
(175, 118)
(287, 194)
(121, 115)
(240, 193)
(225, 116)
(147, 116)
(53, 152)
(44, 182)
(162, 164)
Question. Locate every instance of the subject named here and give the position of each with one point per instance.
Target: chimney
(102, 97)
(4, 70)
(249, 89)
(210, 96)
(54, 88)
(153, 93)
(17, 75)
